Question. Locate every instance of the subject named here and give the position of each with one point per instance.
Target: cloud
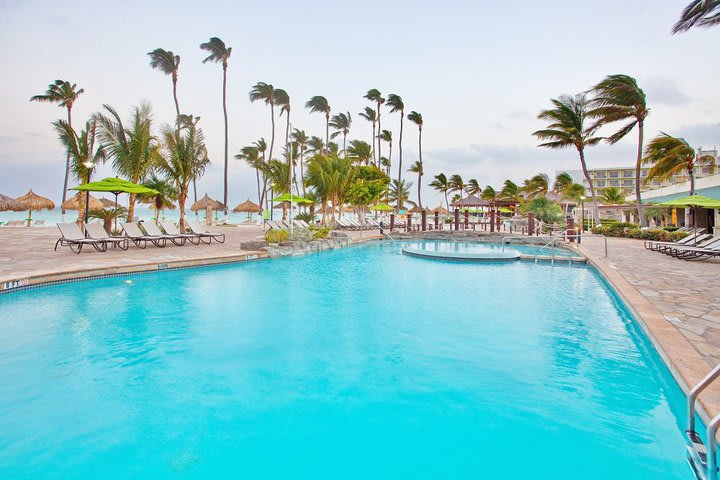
(705, 135)
(664, 91)
(6, 139)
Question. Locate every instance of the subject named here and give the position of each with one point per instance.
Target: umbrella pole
(29, 220)
(116, 211)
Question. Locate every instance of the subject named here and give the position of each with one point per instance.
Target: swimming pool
(356, 363)
(488, 247)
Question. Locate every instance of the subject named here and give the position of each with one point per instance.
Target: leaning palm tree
(360, 152)
(64, 94)
(133, 148)
(282, 100)
(510, 192)
(457, 184)
(567, 128)
(85, 149)
(371, 116)
(320, 104)
(441, 184)
(375, 96)
(185, 158)
(473, 187)
(699, 13)
(563, 181)
(612, 196)
(251, 155)
(219, 53)
(417, 167)
(341, 123)
(301, 140)
(417, 119)
(537, 186)
(670, 155)
(489, 195)
(386, 136)
(396, 105)
(619, 98)
(264, 92)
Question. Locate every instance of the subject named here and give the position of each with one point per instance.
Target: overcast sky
(478, 71)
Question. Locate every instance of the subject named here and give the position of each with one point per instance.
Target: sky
(479, 72)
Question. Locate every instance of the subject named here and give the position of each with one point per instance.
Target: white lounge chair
(171, 229)
(197, 229)
(134, 234)
(71, 236)
(97, 232)
(154, 231)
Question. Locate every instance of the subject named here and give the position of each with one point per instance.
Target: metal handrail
(711, 471)
(696, 391)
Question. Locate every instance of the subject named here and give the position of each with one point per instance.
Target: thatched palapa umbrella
(248, 207)
(208, 204)
(32, 201)
(107, 203)
(75, 203)
(8, 204)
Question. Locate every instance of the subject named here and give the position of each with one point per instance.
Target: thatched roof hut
(74, 202)
(8, 204)
(248, 206)
(107, 203)
(440, 209)
(207, 203)
(32, 201)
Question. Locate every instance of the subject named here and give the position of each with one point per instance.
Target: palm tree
(457, 184)
(167, 194)
(185, 158)
(251, 155)
(399, 193)
(282, 99)
(386, 136)
(341, 123)
(133, 148)
(301, 140)
(329, 177)
(567, 129)
(670, 155)
(64, 94)
(417, 167)
(360, 151)
(320, 104)
(83, 148)
(316, 146)
(699, 13)
(266, 93)
(261, 145)
(219, 53)
(441, 184)
(510, 192)
(536, 186)
(374, 95)
(619, 98)
(489, 195)
(417, 119)
(371, 116)
(613, 196)
(473, 187)
(563, 181)
(396, 105)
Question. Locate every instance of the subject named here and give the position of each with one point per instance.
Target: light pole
(89, 166)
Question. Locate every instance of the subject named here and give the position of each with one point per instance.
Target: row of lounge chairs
(139, 234)
(284, 225)
(22, 223)
(696, 246)
(348, 224)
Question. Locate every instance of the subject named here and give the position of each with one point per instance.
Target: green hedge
(632, 230)
(276, 236)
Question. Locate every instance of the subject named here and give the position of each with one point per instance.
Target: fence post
(424, 220)
(457, 219)
(392, 221)
(531, 224)
(570, 229)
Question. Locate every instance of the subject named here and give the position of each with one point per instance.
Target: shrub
(276, 236)
(630, 230)
(306, 217)
(319, 232)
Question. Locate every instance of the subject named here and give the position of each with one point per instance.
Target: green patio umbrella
(694, 202)
(286, 197)
(382, 207)
(114, 185)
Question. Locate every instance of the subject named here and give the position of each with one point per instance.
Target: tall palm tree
(261, 145)
(375, 96)
(360, 151)
(537, 186)
(341, 123)
(219, 53)
(316, 145)
(185, 158)
(510, 192)
(670, 155)
(698, 13)
(489, 195)
(473, 187)
(396, 105)
(386, 136)
(282, 100)
(399, 193)
(135, 151)
(251, 155)
(567, 128)
(619, 98)
(64, 94)
(330, 176)
(320, 104)
(417, 119)
(264, 92)
(563, 181)
(457, 184)
(83, 148)
(417, 167)
(441, 184)
(385, 163)
(371, 116)
(301, 140)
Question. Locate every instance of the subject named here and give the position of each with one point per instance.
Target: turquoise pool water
(486, 247)
(357, 363)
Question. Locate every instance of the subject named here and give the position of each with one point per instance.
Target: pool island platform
(676, 301)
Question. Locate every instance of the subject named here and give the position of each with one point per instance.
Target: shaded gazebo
(76, 202)
(9, 204)
(248, 207)
(32, 201)
(107, 203)
(209, 205)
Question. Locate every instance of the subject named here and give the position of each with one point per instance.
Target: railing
(703, 460)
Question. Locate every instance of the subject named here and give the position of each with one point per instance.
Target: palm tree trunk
(596, 216)
(402, 115)
(421, 163)
(257, 177)
(344, 151)
(419, 184)
(302, 173)
(447, 203)
(643, 220)
(131, 206)
(389, 159)
(692, 180)
(272, 133)
(375, 159)
(67, 164)
(379, 140)
(182, 196)
(177, 105)
(225, 197)
(327, 131)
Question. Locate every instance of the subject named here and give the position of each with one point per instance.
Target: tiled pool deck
(676, 301)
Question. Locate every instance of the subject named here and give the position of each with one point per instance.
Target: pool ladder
(702, 458)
